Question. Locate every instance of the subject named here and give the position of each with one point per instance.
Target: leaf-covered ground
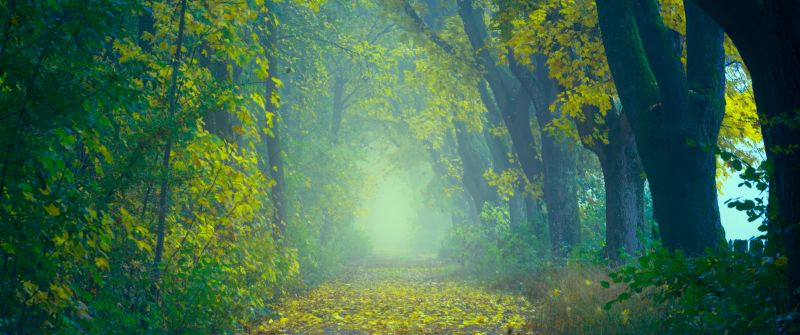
(401, 299)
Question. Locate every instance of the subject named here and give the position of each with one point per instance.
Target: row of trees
(175, 166)
(654, 89)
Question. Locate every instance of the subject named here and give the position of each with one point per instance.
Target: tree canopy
(206, 167)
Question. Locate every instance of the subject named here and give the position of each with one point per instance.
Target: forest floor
(411, 297)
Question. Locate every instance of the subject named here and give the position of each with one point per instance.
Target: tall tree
(172, 97)
(477, 155)
(556, 165)
(584, 101)
(767, 35)
(271, 134)
(668, 109)
(474, 159)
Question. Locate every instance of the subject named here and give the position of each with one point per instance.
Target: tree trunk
(559, 189)
(536, 218)
(559, 161)
(146, 25)
(624, 183)
(273, 141)
(218, 119)
(474, 161)
(664, 115)
(273, 138)
(172, 95)
(517, 214)
(767, 34)
(500, 150)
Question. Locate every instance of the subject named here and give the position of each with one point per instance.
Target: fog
(397, 212)
(397, 167)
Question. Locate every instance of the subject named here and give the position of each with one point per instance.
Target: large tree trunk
(559, 188)
(514, 104)
(218, 119)
(767, 34)
(664, 115)
(619, 159)
(558, 159)
(500, 153)
(624, 183)
(536, 218)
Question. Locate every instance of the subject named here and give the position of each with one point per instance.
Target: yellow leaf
(62, 292)
(238, 129)
(29, 287)
(101, 263)
(52, 210)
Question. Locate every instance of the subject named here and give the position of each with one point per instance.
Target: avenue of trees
(177, 166)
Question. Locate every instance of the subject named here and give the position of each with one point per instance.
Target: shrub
(719, 293)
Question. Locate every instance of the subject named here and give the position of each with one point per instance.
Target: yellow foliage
(506, 181)
(401, 300)
(575, 59)
(52, 209)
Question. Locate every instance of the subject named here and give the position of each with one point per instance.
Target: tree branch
(425, 30)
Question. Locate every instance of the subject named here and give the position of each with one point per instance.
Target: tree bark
(624, 183)
(217, 119)
(475, 162)
(557, 162)
(767, 35)
(665, 114)
(146, 25)
(559, 189)
(500, 150)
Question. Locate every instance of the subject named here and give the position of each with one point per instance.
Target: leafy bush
(722, 292)
(493, 249)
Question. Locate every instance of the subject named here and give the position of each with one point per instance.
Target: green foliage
(91, 95)
(493, 249)
(721, 292)
(752, 177)
(85, 95)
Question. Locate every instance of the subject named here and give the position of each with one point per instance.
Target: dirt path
(401, 299)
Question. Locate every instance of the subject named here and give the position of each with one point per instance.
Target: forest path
(401, 298)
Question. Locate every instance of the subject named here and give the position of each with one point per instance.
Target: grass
(570, 300)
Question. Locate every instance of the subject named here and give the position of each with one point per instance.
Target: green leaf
(737, 165)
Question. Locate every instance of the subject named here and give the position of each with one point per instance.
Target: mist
(399, 167)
